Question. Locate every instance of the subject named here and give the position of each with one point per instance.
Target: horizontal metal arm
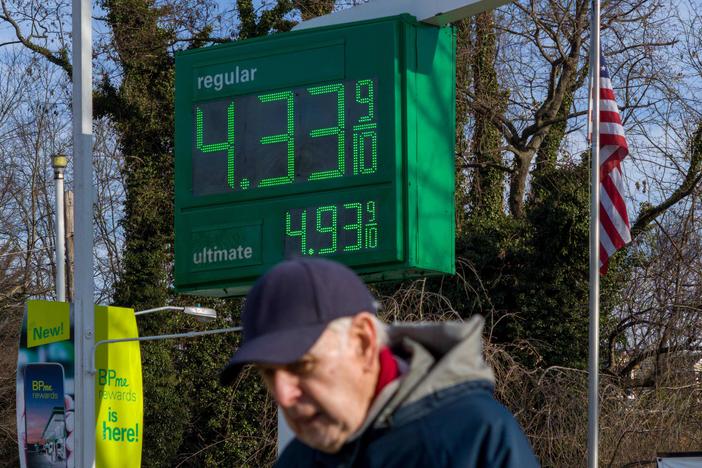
(436, 12)
(156, 309)
(156, 338)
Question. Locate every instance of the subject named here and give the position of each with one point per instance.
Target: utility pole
(83, 302)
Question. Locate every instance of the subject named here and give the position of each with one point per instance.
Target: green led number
(325, 220)
(365, 134)
(337, 131)
(370, 208)
(371, 236)
(288, 137)
(368, 100)
(301, 233)
(327, 229)
(357, 226)
(371, 229)
(227, 146)
(360, 139)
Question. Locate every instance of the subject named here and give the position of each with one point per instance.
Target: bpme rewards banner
(46, 388)
(119, 405)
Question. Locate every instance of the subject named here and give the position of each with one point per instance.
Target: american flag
(614, 222)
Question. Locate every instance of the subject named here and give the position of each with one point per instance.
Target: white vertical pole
(83, 166)
(593, 361)
(285, 434)
(60, 237)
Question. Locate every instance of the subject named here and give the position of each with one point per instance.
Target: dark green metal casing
(403, 199)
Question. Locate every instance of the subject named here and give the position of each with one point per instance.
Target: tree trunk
(485, 197)
(517, 186)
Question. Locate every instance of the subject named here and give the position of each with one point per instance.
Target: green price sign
(334, 142)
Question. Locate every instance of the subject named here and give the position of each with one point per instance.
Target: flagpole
(594, 332)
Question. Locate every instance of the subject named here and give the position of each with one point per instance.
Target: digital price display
(285, 137)
(334, 142)
(331, 229)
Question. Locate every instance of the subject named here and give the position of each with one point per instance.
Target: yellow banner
(48, 322)
(119, 404)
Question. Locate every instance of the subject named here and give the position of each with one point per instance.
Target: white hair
(341, 327)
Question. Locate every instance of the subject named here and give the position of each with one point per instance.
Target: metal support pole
(84, 316)
(59, 164)
(92, 370)
(70, 249)
(594, 332)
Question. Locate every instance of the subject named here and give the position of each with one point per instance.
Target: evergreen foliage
(529, 276)
(141, 106)
(227, 426)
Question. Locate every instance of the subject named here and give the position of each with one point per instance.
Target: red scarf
(389, 369)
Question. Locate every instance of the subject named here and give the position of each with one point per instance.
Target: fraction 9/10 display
(294, 136)
(332, 229)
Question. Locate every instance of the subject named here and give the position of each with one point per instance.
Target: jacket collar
(440, 355)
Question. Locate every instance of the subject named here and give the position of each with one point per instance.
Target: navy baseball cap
(289, 307)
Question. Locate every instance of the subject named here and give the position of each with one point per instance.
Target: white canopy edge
(436, 12)
(679, 462)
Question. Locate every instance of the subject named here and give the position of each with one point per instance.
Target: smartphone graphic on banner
(45, 415)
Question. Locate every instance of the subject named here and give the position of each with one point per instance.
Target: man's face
(325, 395)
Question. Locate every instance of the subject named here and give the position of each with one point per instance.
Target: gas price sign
(285, 137)
(333, 142)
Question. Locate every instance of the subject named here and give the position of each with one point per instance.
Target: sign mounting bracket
(436, 12)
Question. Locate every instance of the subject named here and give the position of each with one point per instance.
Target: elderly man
(356, 393)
